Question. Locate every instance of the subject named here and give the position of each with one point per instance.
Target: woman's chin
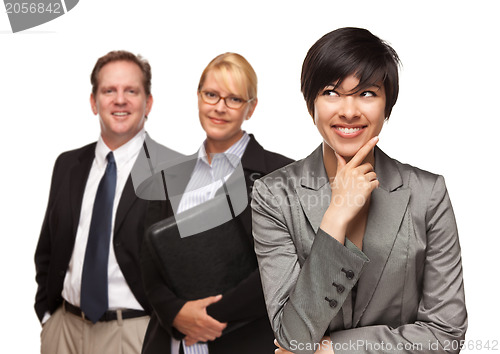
(346, 153)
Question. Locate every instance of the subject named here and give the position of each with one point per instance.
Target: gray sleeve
(301, 301)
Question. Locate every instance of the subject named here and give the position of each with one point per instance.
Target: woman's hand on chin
(354, 181)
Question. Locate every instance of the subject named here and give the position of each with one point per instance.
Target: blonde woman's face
(221, 123)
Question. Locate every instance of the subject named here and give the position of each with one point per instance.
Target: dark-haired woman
(358, 253)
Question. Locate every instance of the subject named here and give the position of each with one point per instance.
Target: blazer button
(340, 288)
(348, 273)
(331, 302)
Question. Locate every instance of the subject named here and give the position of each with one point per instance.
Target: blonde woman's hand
(196, 324)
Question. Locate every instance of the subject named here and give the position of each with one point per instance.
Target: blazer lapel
(177, 178)
(150, 159)
(314, 189)
(387, 209)
(254, 167)
(78, 179)
(253, 160)
(159, 157)
(126, 201)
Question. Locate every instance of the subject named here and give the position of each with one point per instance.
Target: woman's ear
(253, 104)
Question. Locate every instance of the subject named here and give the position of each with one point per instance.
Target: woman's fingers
(364, 168)
(340, 161)
(363, 152)
(354, 181)
(371, 176)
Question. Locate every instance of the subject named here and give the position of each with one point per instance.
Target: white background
(445, 121)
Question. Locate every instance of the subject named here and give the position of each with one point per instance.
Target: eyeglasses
(233, 102)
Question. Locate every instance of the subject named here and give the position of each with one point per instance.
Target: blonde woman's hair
(238, 68)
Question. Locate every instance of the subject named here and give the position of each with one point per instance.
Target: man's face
(120, 102)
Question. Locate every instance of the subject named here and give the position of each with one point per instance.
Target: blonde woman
(227, 97)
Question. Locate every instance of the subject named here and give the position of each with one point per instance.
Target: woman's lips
(348, 132)
(217, 120)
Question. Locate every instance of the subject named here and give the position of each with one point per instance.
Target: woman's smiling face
(347, 117)
(221, 123)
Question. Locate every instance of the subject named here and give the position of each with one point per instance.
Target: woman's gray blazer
(410, 294)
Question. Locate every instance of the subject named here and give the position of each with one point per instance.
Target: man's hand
(196, 324)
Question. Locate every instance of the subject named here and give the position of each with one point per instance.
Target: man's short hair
(122, 55)
(350, 51)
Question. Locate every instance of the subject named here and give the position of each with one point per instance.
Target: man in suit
(90, 297)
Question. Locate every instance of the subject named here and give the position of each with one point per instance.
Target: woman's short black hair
(350, 51)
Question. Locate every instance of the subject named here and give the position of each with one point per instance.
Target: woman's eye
(210, 94)
(368, 94)
(330, 93)
(236, 99)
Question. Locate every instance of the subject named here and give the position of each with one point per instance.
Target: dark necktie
(94, 291)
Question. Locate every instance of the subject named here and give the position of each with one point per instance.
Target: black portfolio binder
(202, 264)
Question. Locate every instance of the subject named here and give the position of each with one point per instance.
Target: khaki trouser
(65, 333)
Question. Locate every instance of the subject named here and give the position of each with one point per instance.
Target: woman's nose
(350, 109)
(221, 105)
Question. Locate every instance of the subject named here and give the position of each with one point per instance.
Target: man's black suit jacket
(58, 233)
(245, 302)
